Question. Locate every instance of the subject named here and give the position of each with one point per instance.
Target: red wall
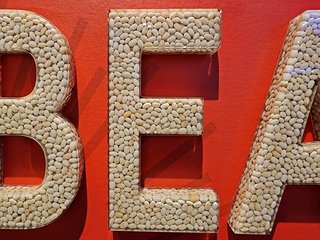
(234, 84)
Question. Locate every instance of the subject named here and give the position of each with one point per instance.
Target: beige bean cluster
(278, 157)
(168, 31)
(35, 116)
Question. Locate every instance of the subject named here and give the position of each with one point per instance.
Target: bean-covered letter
(36, 116)
(167, 31)
(278, 157)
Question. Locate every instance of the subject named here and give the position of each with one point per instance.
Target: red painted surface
(252, 36)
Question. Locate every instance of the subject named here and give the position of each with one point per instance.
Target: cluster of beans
(166, 31)
(35, 116)
(277, 156)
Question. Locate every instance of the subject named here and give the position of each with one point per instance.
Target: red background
(234, 84)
